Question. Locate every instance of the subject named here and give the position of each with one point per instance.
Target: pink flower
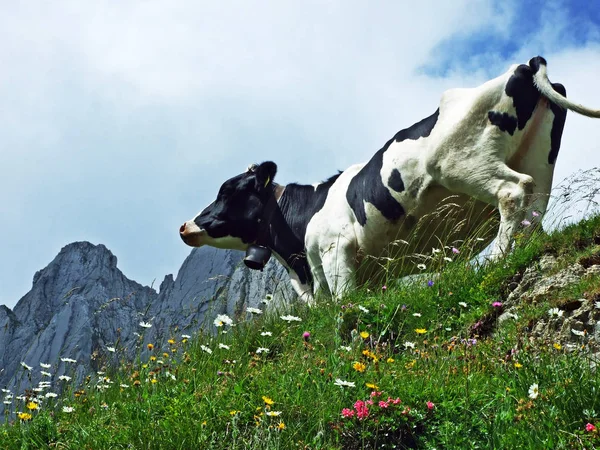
(362, 411)
(347, 413)
(526, 223)
(455, 250)
(384, 288)
(497, 304)
(535, 214)
(590, 427)
(396, 401)
(375, 394)
(405, 411)
(369, 402)
(383, 404)
(306, 336)
(430, 405)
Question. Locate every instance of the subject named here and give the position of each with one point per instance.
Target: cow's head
(234, 219)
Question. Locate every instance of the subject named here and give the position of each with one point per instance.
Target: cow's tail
(541, 81)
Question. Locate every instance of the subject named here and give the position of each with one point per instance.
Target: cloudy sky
(119, 120)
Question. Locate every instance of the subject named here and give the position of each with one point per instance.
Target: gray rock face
(81, 303)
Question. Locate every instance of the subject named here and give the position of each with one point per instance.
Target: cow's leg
(339, 267)
(316, 267)
(504, 188)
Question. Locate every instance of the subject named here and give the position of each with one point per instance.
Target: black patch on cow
(395, 181)
(523, 92)
(297, 206)
(558, 124)
(367, 185)
(504, 121)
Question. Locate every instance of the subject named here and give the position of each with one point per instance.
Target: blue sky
(119, 121)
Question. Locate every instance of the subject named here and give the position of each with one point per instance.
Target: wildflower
(223, 319)
(447, 259)
(362, 411)
(597, 305)
(205, 348)
(347, 413)
(226, 347)
(145, 325)
(555, 312)
(7, 402)
(417, 314)
(577, 332)
(420, 330)
(590, 427)
(260, 350)
(150, 347)
(346, 347)
(273, 413)
(124, 386)
(233, 412)
(535, 213)
(51, 395)
(64, 378)
(166, 355)
(45, 366)
(46, 374)
(6, 391)
(342, 383)
(32, 406)
(24, 416)
(306, 336)
(409, 344)
(363, 309)
(430, 283)
(518, 365)
(266, 333)
(186, 336)
(359, 367)
(68, 360)
(268, 401)
(153, 381)
(389, 360)
(557, 346)
(290, 318)
(534, 391)
(463, 304)
(455, 250)
(111, 349)
(171, 341)
(68, 409)
(281, 426)
(383, 404)
(383, 288)
(25, 366)
(525, 223)
(421, 266)
(254, 310)
(497, 305)
(364, 334)
(371, 386)
(430, 405)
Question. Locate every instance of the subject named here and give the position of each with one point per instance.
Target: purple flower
(306, 336)
(526, 223)
(535, 214)
(455, 250)
(384, 288)
(430, 283)
(497, 304)
(404, 308)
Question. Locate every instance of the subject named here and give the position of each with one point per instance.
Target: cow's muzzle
(257, 256)
(191, 234)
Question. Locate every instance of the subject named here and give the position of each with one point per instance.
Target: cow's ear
(265, 173)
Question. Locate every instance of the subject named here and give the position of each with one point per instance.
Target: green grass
(475, 374)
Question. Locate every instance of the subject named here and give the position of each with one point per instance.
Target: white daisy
(46, 374)
(262, 350)
(254, 310)
(290, 319)
(463, 304)
(421, 266)
(347, 348)
(273, 413)
(45, 366)
(25, 366)
(64, 378)
(186, 336)
(408, 344)
(266, 333)
(68, 409)
(51, 395)
(111, 349)
(68, 360)
(363, 309)
(145, 325)
(417, 314)
(226, 347)
(206, 349)
(577, 332)
(534, 390)
(223, 319)
(342, 383)
(555, 312)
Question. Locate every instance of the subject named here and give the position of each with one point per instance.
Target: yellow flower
(153, 380)
(171, 341)
(281, 426)
(420, 331)
(390, 360)
(32, 406)
(267, 400)
(150, 347)
(165, 355)
(364, 334)
(359, 367)
(153, 358)
(411, 364)
(24, 416)
(371, 386)
(518, 365)
(557, 346)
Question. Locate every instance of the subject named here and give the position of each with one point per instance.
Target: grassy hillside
(423, 364)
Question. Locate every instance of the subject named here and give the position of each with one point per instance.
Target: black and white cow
(496, 143)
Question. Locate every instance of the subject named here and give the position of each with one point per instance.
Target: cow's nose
(182, 229)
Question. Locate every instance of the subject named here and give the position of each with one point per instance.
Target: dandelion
(342, 383)
(273, 413)
(171, 341)
(421, 266)
(420, 330)
(359, 367)
(364, 334)
(363, 309)
(68, 360)
(268, 400)
(150, 347)
(45, 366)
(463, 304)
(24, 416)
(577, 332)
(111, 349)
(557, 346)
(25, 366)
(222, 319)
(32, 406)
(153, 381)
(518, 365)
(290, 318)
(590, 428)
(260, 350)
(555, 312)
(409, 344)
(223, 346)
(254, 310)
(68, 409)
(281, 426)
(145, 325)
(266, 333)
(306, 336)
(430, 405)
(204, 348)
(534, 391)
